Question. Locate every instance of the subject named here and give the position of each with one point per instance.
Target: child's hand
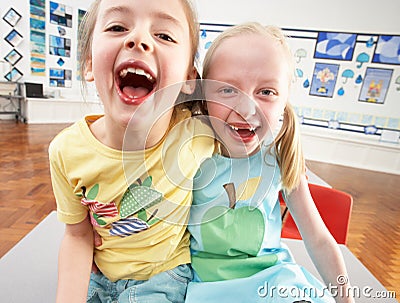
(97, 242)
(95, 269)
(96, 238)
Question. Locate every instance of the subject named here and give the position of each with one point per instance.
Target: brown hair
(287, 143)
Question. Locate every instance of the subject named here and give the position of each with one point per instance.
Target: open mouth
(245, 133)
(135, 84)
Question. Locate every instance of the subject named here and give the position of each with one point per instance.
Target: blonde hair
(88, 23)
(287, 143)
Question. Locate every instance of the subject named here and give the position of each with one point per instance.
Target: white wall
(342, 15)
(348, 15)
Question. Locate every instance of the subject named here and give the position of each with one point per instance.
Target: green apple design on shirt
(136, 200)
(235, 227)
(138, 197)
(229, 233)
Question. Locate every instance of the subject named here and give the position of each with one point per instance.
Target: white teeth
(131, 70)
(252, 129)
(141, 72)
(123, 73)
(136, 71)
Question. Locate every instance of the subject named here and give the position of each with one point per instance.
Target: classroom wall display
(59, 46)
(13, 38)
(337, 46)
(37, 11)
(14, 75)
(60, 14)
(38, 3)
(324, 79)
(375, 85)
(37, 37)
(12, 17)
(13, 57)
(342, 80)
(60, 77)
(387, 50)
(37, 25)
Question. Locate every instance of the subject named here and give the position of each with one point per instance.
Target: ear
(88, 72)
(89, 76)
(190, 85)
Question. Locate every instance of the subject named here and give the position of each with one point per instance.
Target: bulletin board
(343, 80)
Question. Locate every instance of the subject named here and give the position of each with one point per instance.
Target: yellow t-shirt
(138, 201)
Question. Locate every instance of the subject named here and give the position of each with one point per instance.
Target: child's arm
(75, 262)
(320, 244)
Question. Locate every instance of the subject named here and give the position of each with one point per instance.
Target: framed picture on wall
(56, 73)
(37, 11)
(13, 38)
(60, 77)
(13, 57)
(12, 17)
(324, 79)
(59, 46)
(375, 85)
(387, 50)
(336, 46)
(14, 75)
(60, 14)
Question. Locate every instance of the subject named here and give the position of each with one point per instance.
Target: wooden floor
(26, 198)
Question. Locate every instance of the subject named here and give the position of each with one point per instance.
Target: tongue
(245, 133)
(135, 92)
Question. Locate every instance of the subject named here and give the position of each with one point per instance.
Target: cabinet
(14, 93)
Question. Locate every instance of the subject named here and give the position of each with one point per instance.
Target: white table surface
(28, 272)
(360, 277)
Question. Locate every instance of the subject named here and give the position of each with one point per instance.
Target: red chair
(334, 207)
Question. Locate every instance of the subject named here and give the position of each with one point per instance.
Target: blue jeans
(168, 286)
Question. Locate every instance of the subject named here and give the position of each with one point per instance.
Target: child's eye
(116, 28)
(227, 90)
(165, 37)
(267, 92)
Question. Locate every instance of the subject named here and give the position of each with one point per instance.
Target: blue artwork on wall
(337, 46)
(59, 46)
(60, 77)
(60, 14)
(387, 50)
(324, 79)
(376, 84)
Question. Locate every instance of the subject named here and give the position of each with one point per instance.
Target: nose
(138, 40)
(245, 107)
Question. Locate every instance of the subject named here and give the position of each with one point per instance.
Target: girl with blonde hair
(235, 219)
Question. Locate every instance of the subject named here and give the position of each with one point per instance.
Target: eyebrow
(167, 17)
(114, 9)
(158, 14)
